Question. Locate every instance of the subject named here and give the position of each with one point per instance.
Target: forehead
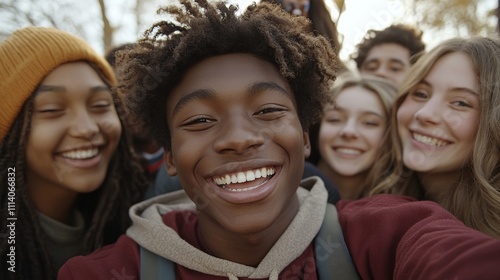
(72, 73)
(359, 98)
(389, 51)
(228, 74)
(454, 68)
(236, 70)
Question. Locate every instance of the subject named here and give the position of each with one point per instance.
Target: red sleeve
(116, 261)
(395, 237)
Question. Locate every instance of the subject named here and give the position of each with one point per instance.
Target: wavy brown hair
(386, 93)
(476, 198)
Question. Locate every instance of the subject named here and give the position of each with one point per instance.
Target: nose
(382, 72)
(83, 125)
(239, 135)
(349, 130)
(430, 112)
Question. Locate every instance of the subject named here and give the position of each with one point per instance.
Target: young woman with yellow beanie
(67, 171)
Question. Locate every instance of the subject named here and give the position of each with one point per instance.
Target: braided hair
(105, 210)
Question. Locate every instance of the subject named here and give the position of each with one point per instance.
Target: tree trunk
(498, 17)
(107, 29)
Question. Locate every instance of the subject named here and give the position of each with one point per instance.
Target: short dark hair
(113, 53)
(201, 30)
(403, 35)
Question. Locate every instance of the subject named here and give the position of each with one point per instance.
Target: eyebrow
(365, 112)
(200, 94)
(463, 89)
(268, 86)
(208, 94)
(51, 88)
(391, 60)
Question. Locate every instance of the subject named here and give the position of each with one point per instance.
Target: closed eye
(371, 123)
(270, 110)
(200, 120)
(333, 120)
(462, 104)
(49, 110)
(396, 69)
(101, 105)
(418, 94)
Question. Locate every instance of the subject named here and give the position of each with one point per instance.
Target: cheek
(294, 138)
(374, 137)
(327, 133)
(405, 114)
(41, 145)
(110, 126)
(45, 136)
(468, 128)
(188, 149)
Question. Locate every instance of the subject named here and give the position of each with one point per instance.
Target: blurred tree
(462, 17)
(103, 23)
(15, 14)
(498, 17)
(107, 30)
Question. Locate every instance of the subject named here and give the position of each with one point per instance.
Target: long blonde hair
(386, 93)
(476, 199)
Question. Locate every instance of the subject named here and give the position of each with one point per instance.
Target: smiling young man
(237, 95)
(390, 52)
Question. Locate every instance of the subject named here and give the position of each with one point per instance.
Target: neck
(438, 186)
(53, 202)
(349, 187)
(244, 248)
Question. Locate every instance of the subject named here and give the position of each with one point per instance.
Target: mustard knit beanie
(31, 53)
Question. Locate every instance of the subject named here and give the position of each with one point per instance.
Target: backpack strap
(155, 267)
(333, 260)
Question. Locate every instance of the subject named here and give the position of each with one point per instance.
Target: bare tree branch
(107, 29)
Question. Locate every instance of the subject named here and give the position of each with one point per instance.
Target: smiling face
(438, 120)
(74, 132)
(351, 132)
(390, 61)
(237, 142)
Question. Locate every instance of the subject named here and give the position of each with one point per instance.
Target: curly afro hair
(403, 35)
(199, 30)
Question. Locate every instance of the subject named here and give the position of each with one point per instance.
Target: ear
(169, 162)
(307, 145)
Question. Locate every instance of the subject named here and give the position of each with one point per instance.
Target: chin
(87, 187)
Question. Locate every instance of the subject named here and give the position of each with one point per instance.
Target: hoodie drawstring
(274, 275)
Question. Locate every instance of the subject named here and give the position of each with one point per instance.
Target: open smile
(348, 151)
(83, 157)
(81, 153)
(428, 140)
(237, 181)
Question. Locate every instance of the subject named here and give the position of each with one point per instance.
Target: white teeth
(250, 176)
(81, 154)
(244, 189)
(241, 177)
(263, 172)
(429, 140)
(348, 151)
(244, 176)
